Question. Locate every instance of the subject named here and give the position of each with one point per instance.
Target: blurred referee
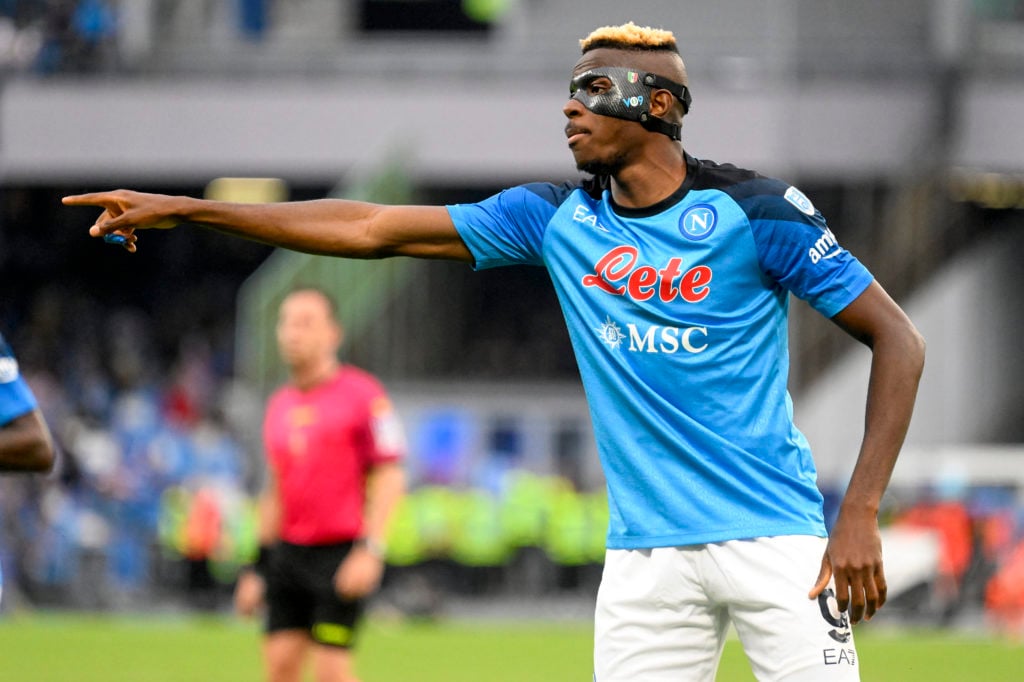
(334, 448)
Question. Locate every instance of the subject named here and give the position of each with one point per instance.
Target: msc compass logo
(698, 222)
(610, 333)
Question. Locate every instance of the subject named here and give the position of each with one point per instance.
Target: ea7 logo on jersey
(584, 215)
(825, 247)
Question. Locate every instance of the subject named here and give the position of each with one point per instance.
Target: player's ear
(662, 103)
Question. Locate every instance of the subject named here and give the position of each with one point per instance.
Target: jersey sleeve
(387, 442)
(16, 398)
(798, 251)
(508, 228)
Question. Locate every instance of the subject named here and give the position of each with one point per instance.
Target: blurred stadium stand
(901, 121)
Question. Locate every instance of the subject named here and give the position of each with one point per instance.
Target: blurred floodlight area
(247, 190)
(901, 121)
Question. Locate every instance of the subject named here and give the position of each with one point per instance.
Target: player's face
(307, 333)
(601, 145)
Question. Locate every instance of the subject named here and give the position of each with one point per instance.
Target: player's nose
(572, 108)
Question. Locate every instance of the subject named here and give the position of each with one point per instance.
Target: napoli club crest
(698, 222)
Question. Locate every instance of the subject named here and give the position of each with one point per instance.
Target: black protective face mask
(629, 97)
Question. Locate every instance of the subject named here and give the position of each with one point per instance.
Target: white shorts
(662, 614)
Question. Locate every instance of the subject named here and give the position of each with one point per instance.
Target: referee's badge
(698, 222)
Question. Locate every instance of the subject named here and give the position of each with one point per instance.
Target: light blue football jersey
(15, 397)
(678, 319)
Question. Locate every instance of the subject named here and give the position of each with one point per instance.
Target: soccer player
(674, 275)
(334, 448)
(25, 442)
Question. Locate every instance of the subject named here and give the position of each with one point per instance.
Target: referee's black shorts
(300, 594)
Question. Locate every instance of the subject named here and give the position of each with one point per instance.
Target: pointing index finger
(90, 199)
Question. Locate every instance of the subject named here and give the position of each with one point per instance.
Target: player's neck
(309, 376)
(655, 177)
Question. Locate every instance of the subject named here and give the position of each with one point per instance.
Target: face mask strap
(681, 92)
(660, 125)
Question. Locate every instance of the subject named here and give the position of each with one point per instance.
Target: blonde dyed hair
(629, 36)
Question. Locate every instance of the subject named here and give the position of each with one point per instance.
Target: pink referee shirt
(321, 443)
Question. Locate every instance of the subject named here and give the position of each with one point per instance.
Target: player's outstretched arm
(333, 227)
(25, 444)
(854, 554)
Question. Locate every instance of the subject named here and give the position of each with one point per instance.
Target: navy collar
(692, 167)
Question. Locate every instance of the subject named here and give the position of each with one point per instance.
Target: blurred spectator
(950, 519)
(193, 385)
(253, 17)
(1004, 595)
(58, 36)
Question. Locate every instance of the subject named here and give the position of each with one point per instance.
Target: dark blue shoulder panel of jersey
(760, 197)
(794, 245)
(553, 194)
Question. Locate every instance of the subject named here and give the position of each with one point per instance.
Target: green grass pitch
(63, 647)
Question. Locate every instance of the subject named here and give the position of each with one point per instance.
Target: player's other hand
(853, 559)
(125, 211)
(249, 592)
(359, 574)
